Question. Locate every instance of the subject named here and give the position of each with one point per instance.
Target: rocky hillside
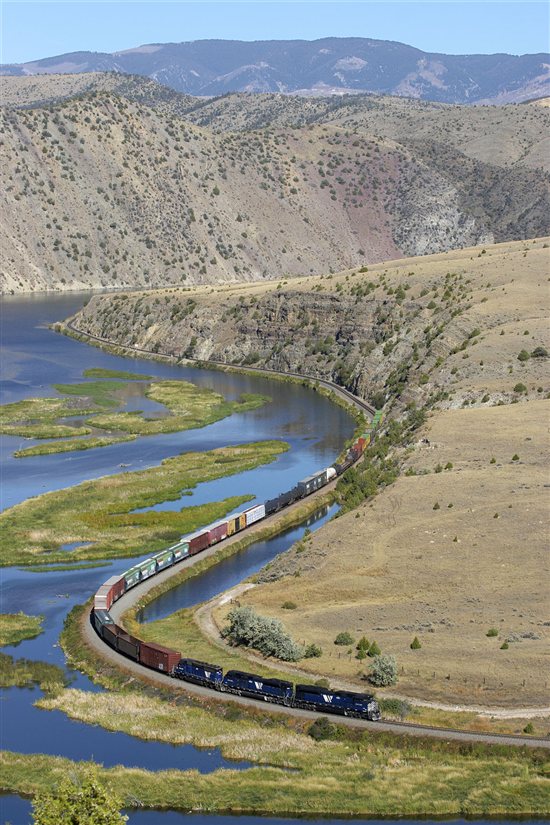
(407, 330)
(327, 66)
(115, 190)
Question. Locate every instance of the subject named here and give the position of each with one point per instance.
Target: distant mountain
(328, 66)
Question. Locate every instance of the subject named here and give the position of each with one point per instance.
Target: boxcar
(128, 645)
(233, 524)
(217, 532)
(131, 577)
(197, 542)
(311, 483)
(158, 657)
(254, 514)
(164, 559)
(191, 670)
(147, 568)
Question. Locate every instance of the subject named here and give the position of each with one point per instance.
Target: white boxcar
(254, 514)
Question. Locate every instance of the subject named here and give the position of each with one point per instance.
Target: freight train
(169, 661)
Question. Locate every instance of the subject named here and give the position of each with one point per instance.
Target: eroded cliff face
(392, 331)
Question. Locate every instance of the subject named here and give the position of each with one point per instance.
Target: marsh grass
(99, 512)
(189, 406)
(72, 445)
(14, 627)
(24, 673)
(101, 372)
(365, 776)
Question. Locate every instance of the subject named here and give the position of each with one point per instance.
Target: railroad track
(407, 728)
(329, 385)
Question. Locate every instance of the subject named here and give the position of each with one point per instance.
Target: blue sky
(31, 30)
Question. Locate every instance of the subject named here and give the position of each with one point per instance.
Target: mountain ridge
(323, 66)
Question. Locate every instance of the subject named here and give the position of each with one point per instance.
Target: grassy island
(98, 422)
(100, 513)
(15, 627)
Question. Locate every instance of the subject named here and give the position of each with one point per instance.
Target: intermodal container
(254, 514)
(103, 599)
(164, 559)
(197, 542)
(158, 657)
(147, 568)
(128, 645)
(217, 532)
(131, 577)
(116, 583)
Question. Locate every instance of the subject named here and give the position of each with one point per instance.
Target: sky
(32, 30)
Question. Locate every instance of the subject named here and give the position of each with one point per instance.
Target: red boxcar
(217, 532)
(361, 444)
(158, 657)
(198, 542)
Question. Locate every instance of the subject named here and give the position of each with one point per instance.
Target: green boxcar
(132, 577)
(164, 559)
(180, 550)
(147, 568)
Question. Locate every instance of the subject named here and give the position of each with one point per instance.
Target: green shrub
(321, 729)
(515, 457)
(504, 646)
(415, 644)
(539, 352)
(519, 387)
(395, 707)
(492, 632)
(344, 638)
(313, 651)
(529, 728)
(289, 605)
(363, 643)
(374, 650)
(436, 506)
(267, 635)
(384, 671)
(523, 355)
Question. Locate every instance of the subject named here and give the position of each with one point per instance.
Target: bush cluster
(267, 635)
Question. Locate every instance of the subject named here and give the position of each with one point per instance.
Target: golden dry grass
(393, 570)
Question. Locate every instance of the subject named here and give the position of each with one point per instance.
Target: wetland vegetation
(187, 406)
(15, 627)
(99, 513)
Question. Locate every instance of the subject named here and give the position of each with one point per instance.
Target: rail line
(129, 598)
